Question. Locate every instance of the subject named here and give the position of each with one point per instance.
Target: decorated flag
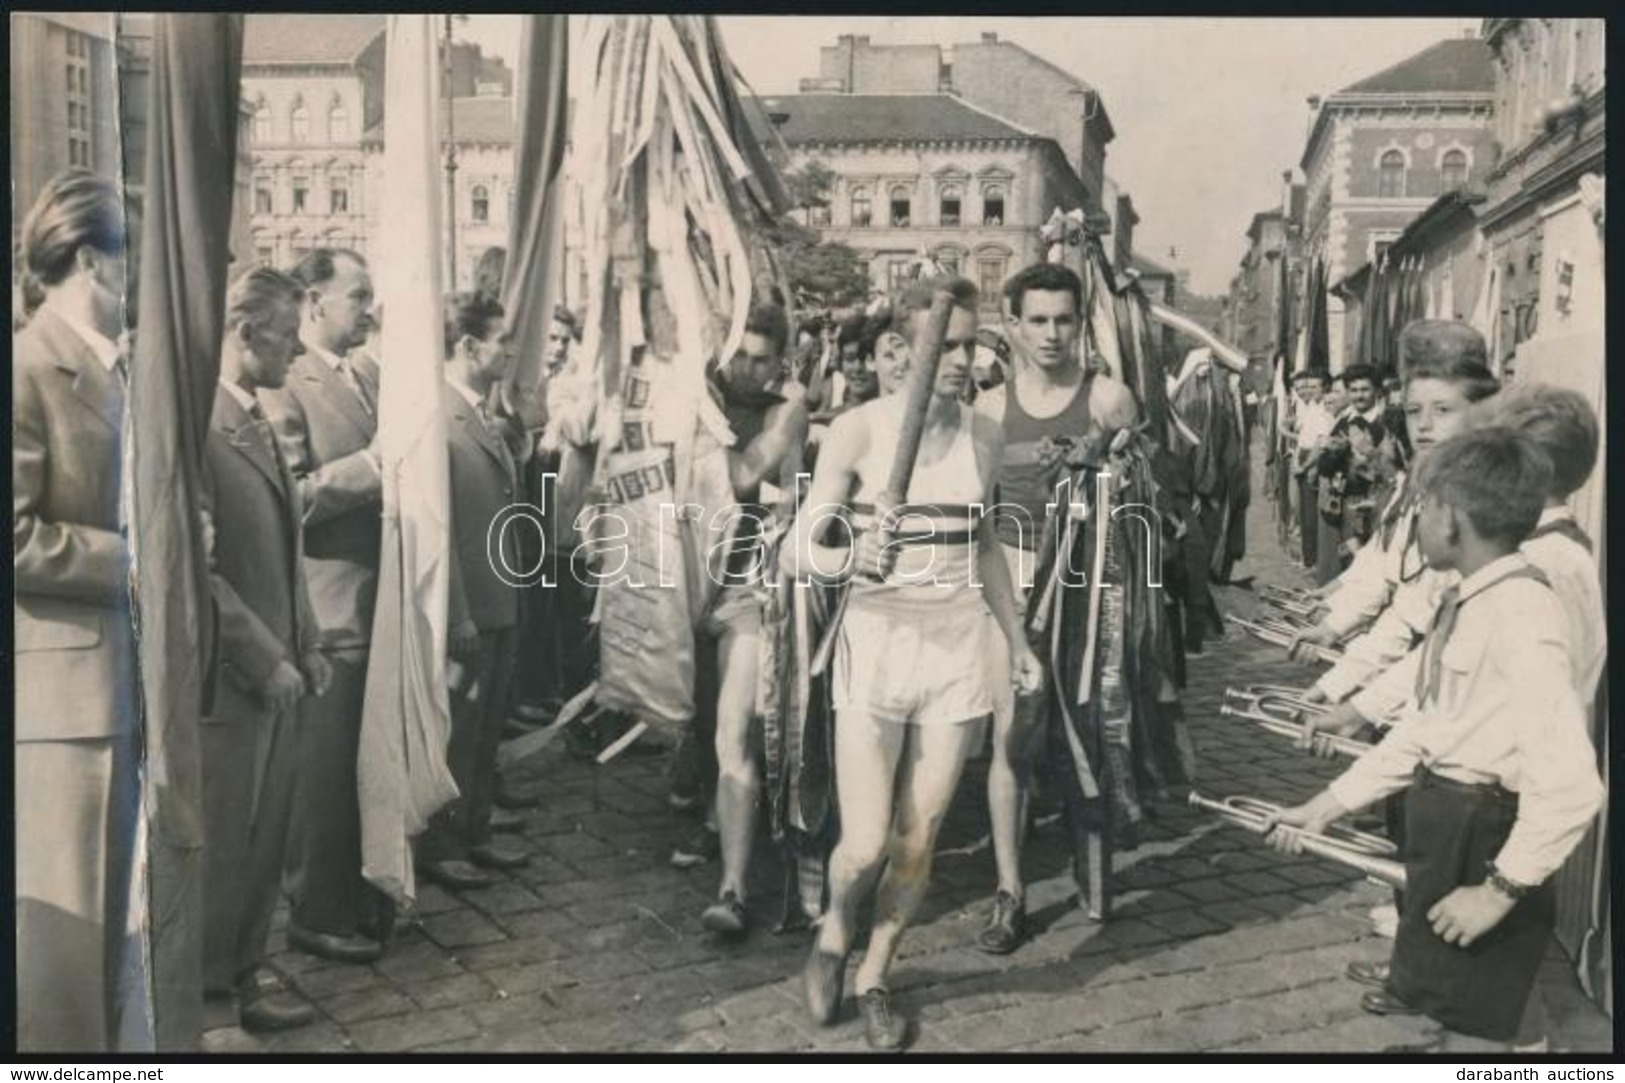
(186, 226)
(401, 766)
(534, 275)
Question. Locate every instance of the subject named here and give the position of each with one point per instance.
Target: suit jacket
(484, 480)
(324, 430)
(264, 613)
(75, 644)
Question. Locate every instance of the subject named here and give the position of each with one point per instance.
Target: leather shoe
(507, 822)
(1006, 926)
(456, 875)
(883, 1029)
(494, 855)
(822, 978)
(1384, 1002)
(1372, 974)
(264, 1014)
(1416, 1049)
(353, 948)
(517, 797)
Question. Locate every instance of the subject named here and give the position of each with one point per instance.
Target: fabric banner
(534, 276)
(401, 765)
(184, 251)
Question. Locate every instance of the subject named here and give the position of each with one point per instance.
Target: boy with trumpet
(1494, 749)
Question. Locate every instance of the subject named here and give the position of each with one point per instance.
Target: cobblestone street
(1215, 943)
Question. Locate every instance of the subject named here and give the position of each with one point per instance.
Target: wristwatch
(1510, 888)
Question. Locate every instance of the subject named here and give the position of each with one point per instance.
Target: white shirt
(1367, 585)
(1573, 575)
(106, 350)
(1314, 424)
(466, 392)
(1506, 712)
(244, 399)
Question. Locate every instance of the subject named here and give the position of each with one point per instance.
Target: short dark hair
(74, 209)
(488, 272)
(1359, 372)
(1557, 420)
(1432, 342)
(1476, 382)
(253, 296)
(1043, 277)
(1494, 477)
(1321, 376)
(918, 295)
(470, 314)
(768, 319)
(321, 265)
(568, 319)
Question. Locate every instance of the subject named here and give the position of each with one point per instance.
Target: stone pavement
(1215, 943)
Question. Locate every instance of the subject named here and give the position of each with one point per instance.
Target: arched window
(1452, 170)
(862, 215)
(338, 124)
(1391, 175)
(482, 204)
(948, 210)
(993, 205)
(300, 124)
(901, 205)
(262, 124)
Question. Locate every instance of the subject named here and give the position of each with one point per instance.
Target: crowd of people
(940, 629)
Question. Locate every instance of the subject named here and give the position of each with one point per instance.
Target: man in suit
(75, 740)
(483, 605)
(267, 657)
(325, 420)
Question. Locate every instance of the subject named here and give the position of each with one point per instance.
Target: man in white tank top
(912, 679)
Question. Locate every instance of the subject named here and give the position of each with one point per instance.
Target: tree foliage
(820, 271)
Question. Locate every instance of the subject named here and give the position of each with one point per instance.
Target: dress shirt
(106, 350)
(1506, 713)
(469, 395)
(1367, 585)
(1391, 636)
(1573, 576)
(247, 401)
(1314, 424)
(345, 367)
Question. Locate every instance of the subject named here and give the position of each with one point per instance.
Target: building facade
(312, 82)
(1546, 312)
(482, 130)
(998, 76)
(64, 101)
(927, 176)
(1382, 150)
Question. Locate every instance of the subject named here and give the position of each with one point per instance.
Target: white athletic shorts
(932, 668)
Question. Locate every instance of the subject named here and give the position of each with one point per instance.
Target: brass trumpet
(1343, 746)
(1369, 854)
(1290, 614)
(1296, 596)
(1282, 636)
(1279, 700)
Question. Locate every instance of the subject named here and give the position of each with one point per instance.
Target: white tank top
(936, 559)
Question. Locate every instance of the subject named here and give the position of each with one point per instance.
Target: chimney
(989, 39)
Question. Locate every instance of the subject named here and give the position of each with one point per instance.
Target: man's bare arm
(832, 482)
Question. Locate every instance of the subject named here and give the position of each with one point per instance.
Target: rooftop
(1452, 66)
(475, 120)
(308, 39)
(881, 118)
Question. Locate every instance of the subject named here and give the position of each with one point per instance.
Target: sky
(1208, 112)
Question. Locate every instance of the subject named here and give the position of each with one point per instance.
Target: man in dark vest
(1042, 410)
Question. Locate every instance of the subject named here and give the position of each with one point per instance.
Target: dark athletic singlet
(1024, 482)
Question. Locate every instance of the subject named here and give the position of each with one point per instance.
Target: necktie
(347, 370)
(1444, 622)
